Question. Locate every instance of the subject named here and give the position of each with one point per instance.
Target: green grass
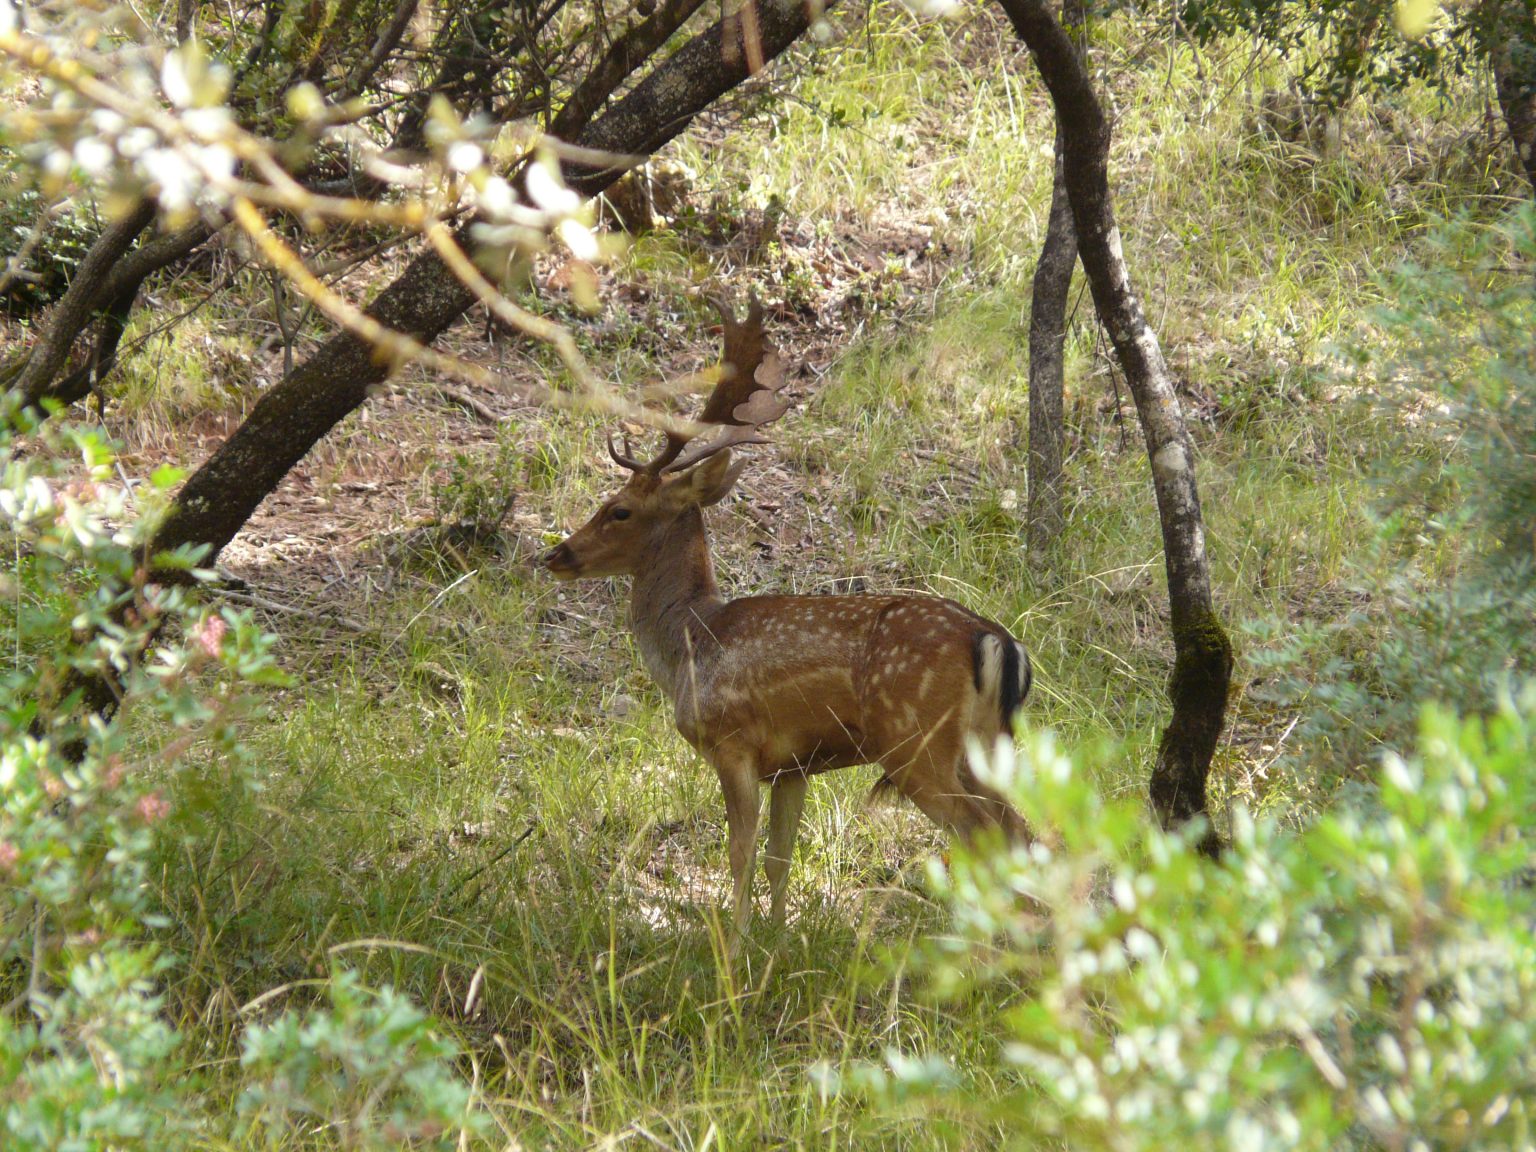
(491, 784)
(488, 814)
(169, 374)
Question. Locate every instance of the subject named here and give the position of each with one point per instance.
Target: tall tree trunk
(1509, 32)
(1202, 666)
(295, 413)
(1047, 344)
(1047, 364)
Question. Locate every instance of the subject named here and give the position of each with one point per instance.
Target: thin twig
(436, 600)
(323, 617)
(467, 402)
(464, 901)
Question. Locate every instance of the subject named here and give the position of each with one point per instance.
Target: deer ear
(709, 481)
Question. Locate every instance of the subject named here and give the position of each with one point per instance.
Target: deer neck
(674, 589)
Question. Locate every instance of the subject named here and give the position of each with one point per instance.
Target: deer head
(690, 472)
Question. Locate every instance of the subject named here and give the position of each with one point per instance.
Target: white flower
(546, 189)
(105, 121)
(176, 181)
(39, 498)
(1397, 773)
(135, 142)
(93, 155)
(495, 198)
(579, 239)
(465, 156)
(1124, 892)
(208, 123)
(191, 79)
(217, 162)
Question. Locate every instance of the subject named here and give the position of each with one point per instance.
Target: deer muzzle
(560, 562)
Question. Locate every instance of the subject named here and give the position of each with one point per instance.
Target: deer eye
(620, 514)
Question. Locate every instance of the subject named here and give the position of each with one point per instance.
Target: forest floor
(472, 781)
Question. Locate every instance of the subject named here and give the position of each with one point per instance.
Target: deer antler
(745, 398)
(669, 453)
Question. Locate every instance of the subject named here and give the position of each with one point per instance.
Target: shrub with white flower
(1367, 982)
(86, 1059)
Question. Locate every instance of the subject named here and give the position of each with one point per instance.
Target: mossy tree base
(1198, 686)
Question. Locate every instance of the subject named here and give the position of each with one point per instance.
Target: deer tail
(1002, 673)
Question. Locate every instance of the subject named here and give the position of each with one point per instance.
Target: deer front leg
(738, 780)
(785, 805)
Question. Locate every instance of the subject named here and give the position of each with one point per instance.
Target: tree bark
(663, 105)
(1047, 364)
(624, 55)
(1510, 37)
(299, 410)
(1202, 666)
(78, 304)
(1044, 517)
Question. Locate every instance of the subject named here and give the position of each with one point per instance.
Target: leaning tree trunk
(78, 304)
(1202, 667)
(1509, 34)
(295, 413)
(1047, 346)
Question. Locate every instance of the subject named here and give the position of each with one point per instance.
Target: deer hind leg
(931, 770)
(997, 811)
(924, 770)
(786, 803)
(737, 771)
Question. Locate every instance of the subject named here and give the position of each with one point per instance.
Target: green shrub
(1464, 365)
(371, 1066)
(1446, 599)
(1367, 983)
(87, 1059)
(46, 262)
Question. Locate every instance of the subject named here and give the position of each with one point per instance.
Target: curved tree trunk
(114, 301)
(1202, 653)
(1047, 347)
(104, 289)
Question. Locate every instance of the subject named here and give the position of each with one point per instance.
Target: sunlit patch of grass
(169, 373)
(460, 803)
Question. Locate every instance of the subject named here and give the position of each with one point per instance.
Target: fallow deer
(774, 689)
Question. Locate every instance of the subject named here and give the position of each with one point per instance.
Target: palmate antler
(743, 401)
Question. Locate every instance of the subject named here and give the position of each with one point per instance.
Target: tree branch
(292, 416)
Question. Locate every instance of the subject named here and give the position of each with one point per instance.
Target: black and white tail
(1003, 673)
